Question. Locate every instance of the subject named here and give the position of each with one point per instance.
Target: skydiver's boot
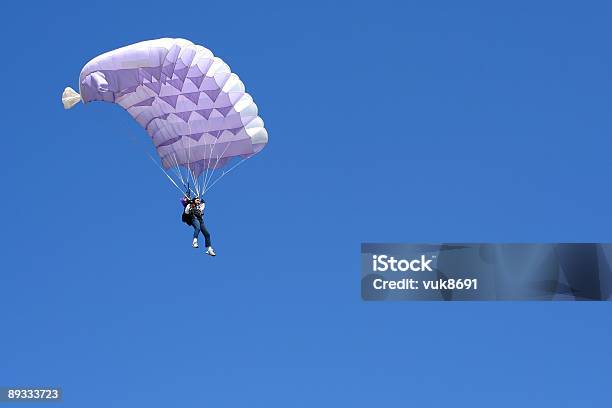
(195, 243)
(210, 251)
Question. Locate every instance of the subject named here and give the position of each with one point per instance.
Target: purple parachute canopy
(195, 110)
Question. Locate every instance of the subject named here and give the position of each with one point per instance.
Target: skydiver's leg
(196, 231)
(206, 235)
(196, 227)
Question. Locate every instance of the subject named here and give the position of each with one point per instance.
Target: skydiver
(193, 215)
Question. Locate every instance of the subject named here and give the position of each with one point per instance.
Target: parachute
(195, 110)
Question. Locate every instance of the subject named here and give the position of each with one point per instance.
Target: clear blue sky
(432, 121)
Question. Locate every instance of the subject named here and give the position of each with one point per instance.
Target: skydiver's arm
(187, 208)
